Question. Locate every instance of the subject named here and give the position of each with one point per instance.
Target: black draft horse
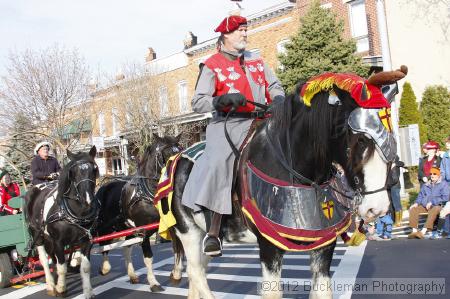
(129, 203)
(64, 215)
(313, 137)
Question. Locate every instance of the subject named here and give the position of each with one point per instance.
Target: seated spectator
(44, 168)
(432, 194)
(8, 190)
(431, 159)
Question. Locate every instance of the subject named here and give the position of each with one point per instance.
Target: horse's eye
(362, 142)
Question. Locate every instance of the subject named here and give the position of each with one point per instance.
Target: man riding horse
(227, 79)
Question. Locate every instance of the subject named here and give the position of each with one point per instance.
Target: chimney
(236, 9)
(190, 40)
(151, 55)
(92, 86)
(120, 75)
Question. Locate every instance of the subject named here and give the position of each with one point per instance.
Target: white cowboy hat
(41, 144)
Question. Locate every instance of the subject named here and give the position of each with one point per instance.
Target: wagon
(14, 241)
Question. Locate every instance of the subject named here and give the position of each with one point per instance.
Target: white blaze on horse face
(376, 204)
(88, 198)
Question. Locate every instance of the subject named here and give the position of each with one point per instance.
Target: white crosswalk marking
(229, 271)
(234, 275)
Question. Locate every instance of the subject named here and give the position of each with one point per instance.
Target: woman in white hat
(44, 168)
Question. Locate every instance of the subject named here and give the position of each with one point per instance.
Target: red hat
(432, 145)
(230, 24)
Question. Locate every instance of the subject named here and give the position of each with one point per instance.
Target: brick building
(173, 77)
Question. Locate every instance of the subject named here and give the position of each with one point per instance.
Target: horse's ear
(93, 152)
(178, 137)
(343, 95)
(70, 155)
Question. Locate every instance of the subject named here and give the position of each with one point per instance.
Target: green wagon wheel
(6, 271)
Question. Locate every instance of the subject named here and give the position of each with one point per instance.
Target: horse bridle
(160, 161)
(279, 155)
(143, 190)
(358, 191)
(66, 213)
(78, 163)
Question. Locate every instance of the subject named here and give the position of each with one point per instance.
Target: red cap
(432, 145)
(230, 24)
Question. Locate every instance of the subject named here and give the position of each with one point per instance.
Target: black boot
(440, 224)
(211, 243)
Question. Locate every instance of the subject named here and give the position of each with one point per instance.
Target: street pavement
(236, 274)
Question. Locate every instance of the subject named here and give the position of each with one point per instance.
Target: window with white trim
(358, 25)
(117, 164)
(101, 124)
(163, 101)
(183, 96)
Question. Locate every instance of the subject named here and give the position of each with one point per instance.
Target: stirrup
(215, 253)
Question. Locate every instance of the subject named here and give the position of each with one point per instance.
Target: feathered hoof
(134, 280)
(156, 288)
(62, 294)
(174, 281)
(103, 273)
(51, 293)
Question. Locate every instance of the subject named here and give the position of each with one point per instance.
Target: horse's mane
(146, 155)
(315, 121)
(150, 151)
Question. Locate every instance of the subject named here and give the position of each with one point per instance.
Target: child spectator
(8, 190)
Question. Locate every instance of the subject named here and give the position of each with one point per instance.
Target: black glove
(229, 99)
(277, 101)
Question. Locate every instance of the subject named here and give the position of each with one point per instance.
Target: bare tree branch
(42, 86)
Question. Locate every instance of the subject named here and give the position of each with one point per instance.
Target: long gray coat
(209, 184)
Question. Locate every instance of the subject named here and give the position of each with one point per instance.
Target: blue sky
(109, 33)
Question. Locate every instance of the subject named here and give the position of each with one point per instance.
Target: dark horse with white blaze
(63, 215)
(299, 141)
(129, 203)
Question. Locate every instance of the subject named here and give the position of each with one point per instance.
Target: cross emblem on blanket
(327, 208)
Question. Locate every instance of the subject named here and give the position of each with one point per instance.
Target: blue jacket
(434, 193)
(445, 167)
